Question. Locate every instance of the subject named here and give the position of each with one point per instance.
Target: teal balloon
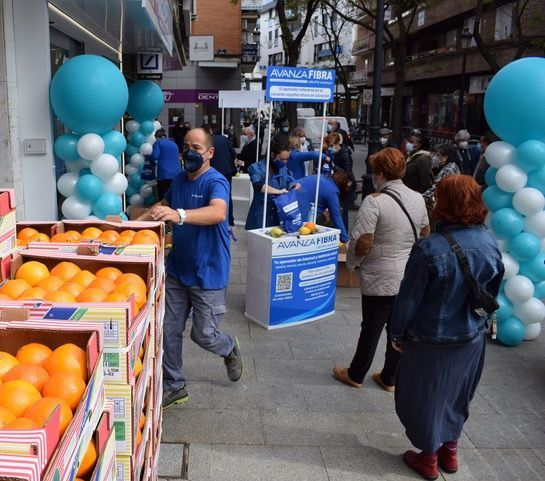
(512, 99)
(137, 138)
(506, 222)
(511, 331)
(88, 94)
(490, 176)
(130, 191)
(531, 155)
(539, 290)
(107, 204)
(536, 179)
(534, 269)
(149, 201)
(494, 198)
(147, 127)
(85, 171)
(524, 246)
(123, 216)
(505, 311)
(131, 149)
(114, 143)
(66, 147)
(89, 187)
(136, 181)
(145, 100)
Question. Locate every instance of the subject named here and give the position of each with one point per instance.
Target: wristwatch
(183, 216)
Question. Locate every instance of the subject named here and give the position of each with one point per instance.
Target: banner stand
(267, 169)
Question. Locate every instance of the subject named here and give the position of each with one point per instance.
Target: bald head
(199, 136)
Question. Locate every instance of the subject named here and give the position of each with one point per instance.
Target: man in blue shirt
(167, 157)
(198, 265)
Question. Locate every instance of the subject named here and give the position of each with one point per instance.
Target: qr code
(284, 282)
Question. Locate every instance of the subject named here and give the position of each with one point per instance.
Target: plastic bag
(289, 214)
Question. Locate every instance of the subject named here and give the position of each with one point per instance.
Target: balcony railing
(358, 77)
(251, 5)
(360, 44)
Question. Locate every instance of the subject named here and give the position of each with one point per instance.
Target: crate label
(119, 427)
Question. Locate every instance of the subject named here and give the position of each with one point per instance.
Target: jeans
(208, 309)
(375, 313)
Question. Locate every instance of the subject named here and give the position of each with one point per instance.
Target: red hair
(389, 162)
(458, 201)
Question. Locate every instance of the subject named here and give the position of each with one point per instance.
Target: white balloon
(519, 289)
(137, 160)
(532, 331)
(530, 311)
(528, 201)
(511, 265)
(535, 224)
(511, 178)
(502, 245)
(146, 191)
(117, 184)
(137, 200)
(90, 146)
(146, 149)
(132, 126)
(130, 170)
(500, 153)
(156, 125)
(105, 166)
(73, 208)
(487, 221)
(67, 184)
(150, 139)
(92, 217)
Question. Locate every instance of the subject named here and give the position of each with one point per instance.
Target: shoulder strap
(462, 259)
(398, 201)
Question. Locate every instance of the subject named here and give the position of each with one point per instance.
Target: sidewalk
(289, 420)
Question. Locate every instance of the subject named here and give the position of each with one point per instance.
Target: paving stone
(213, 369)
(291, 371)
(171, 459)
(305, 331)
(199, 462)
(524, 401)
(307, 349)
(342, 398)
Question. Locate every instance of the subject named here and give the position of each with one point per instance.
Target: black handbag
(480, 301)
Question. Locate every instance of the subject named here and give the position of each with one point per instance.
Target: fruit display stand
(7, 222)
(242, 193)
(291, 279)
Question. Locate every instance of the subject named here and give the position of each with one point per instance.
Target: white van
(313, 127)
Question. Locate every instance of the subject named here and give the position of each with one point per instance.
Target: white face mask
(285, 129)
(435, 161)
(409, 147)
(383, 140)
(463, 144)
(302, 140)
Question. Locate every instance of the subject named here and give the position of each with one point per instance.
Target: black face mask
(192, 160)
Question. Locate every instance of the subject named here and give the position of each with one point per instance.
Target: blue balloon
(136, 181)
(107, 204)
(534, 269)
(505, 311)
(130, 191)
(85, 171)
(66, 147)
(506, 222)
(536, 179)
(145, 100)
(89, 187)
(137, 139)
(494, 198)
(524, 246)
(88, 94)
(147, 127)
(539, 290)
(123, 216)
(149, 201)
(511, 331)
(131, 149)
(531, 155)
(114, 143)
(490, 176)
(511, 100)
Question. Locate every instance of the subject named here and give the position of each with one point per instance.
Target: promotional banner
(292, 84)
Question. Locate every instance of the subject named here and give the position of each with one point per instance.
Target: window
(388, 57)
(470, 24)
(504, 22)
(273, 13)
(276, 59)
(322, 52)
(193, 8)
(452, 37)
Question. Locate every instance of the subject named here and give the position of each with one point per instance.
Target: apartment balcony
(251, 5)
(358, 78)
(360, 45)
(250, 53)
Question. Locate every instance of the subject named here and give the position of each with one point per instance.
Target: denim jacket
(432, 306)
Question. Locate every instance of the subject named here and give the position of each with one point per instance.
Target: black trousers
(375, 313)
(230, 206)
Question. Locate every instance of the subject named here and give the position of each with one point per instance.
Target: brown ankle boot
(447, 459)
(424, 464)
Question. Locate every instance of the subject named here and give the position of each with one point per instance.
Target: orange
(21, 243)
(89, 460)
(123, 240)
(7, 362)
(106, 285)
(128, 232)
(65, 270)
(5, 297)
(51, 283)
(142, 421)
(116, 297)
(41, 410)
(33, 293)
(6, 416)
(65, 385)
(133, 279)
(140, 238)
(60, 237)
(138, 437)
(84, 278)
(148, 232)
(35, 375)
(26, 233)
(137, 367)
(18, 396)
(72, 288)
(72, 236)
(111, 273)
(15, 287)
(108, 236)
(39, 237)
(141, 352)
(91, 294)
(60, 296)
(33, 272)
(91, 233)
(22, 423)
(128, 288)
(67, 358)
(33, 353)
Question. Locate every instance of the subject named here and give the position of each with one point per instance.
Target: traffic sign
(367, 97)
(292, 84)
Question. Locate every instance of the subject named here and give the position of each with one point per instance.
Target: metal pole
(258, 129)
(267, 170)
(319, 165)
(222, 119)
(461, 94)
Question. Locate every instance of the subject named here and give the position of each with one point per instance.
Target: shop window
(452, 39)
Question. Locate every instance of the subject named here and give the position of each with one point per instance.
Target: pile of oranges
(126, 237)
(67, 282)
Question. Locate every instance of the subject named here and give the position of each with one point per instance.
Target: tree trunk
(399, 88)
(291, 107)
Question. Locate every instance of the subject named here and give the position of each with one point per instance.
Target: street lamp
(465, 41)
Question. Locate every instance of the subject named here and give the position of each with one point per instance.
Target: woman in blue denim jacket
(441, 340)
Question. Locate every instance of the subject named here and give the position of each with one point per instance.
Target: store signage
(292, 84)
(150, 66)
(190, 96)
(201, 48)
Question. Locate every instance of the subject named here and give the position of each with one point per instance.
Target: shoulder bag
(398, 201)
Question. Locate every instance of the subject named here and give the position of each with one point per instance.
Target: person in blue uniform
(297, 159)
(167, 158)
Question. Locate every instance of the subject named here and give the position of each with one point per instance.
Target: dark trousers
(162, 187)
(231, 216)
(375, 313)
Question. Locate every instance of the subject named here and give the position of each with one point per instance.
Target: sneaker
(170, 398)
(234, 363)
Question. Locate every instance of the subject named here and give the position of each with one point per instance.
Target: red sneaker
(447, 459)
(423, 464)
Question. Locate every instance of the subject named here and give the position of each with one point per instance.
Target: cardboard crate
(8, 234)
(345, 276)
(41, 447)
(105, 442)
(44, 227)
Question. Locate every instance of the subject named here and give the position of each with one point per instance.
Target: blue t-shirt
(200, 255)
(166, 154)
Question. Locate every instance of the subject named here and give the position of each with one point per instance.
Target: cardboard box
(105, 443)
(8, 234)
(41, 448)
(345, 276)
